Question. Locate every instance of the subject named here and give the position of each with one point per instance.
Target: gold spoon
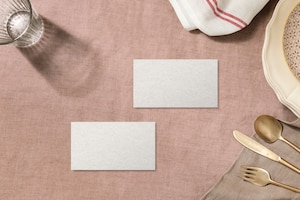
(269, 129)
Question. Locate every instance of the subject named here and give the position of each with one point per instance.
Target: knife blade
(261, 150)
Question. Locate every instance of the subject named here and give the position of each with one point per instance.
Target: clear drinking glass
(20, 25)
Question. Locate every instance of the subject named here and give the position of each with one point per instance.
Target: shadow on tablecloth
(70, 66)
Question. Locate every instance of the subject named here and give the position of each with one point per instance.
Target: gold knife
(262, 150)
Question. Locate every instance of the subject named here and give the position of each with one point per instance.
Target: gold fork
(261, 177)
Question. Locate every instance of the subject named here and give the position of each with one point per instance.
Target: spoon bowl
(270, 130)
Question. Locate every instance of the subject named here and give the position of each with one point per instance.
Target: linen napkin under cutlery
(230, 186)
(216, 17)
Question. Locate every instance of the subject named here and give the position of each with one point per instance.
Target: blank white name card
(175, 83)
(113, 145)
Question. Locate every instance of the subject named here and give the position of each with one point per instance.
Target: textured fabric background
(82, 71)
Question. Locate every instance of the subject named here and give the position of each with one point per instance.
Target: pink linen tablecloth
(82, 71)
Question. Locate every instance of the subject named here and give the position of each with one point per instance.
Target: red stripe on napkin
(228, 14)
(224, 15)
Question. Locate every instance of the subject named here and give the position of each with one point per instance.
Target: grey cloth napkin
(231, 187)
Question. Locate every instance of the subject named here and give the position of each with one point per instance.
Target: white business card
(175, 83)
(113, 146)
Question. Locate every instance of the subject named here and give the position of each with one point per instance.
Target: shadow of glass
(71, 67)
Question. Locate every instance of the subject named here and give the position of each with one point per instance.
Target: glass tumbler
(20, 25)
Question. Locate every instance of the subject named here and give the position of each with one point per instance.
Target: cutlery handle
(286, 186)
(289, 165)
(291, 144)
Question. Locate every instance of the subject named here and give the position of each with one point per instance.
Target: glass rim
(25, 30)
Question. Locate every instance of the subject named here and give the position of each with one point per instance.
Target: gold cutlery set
(269, 129)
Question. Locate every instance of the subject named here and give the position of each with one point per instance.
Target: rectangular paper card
(175, 83)
(113, 145)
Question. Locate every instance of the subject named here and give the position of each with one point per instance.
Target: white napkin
(216, 17)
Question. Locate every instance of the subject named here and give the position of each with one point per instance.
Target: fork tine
(246, 174)
(249, 175)
(248, 179)
(250, 168)
(241, 175)
(247, 171)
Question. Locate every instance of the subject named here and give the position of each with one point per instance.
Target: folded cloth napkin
(216, 17)
(230, 186)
